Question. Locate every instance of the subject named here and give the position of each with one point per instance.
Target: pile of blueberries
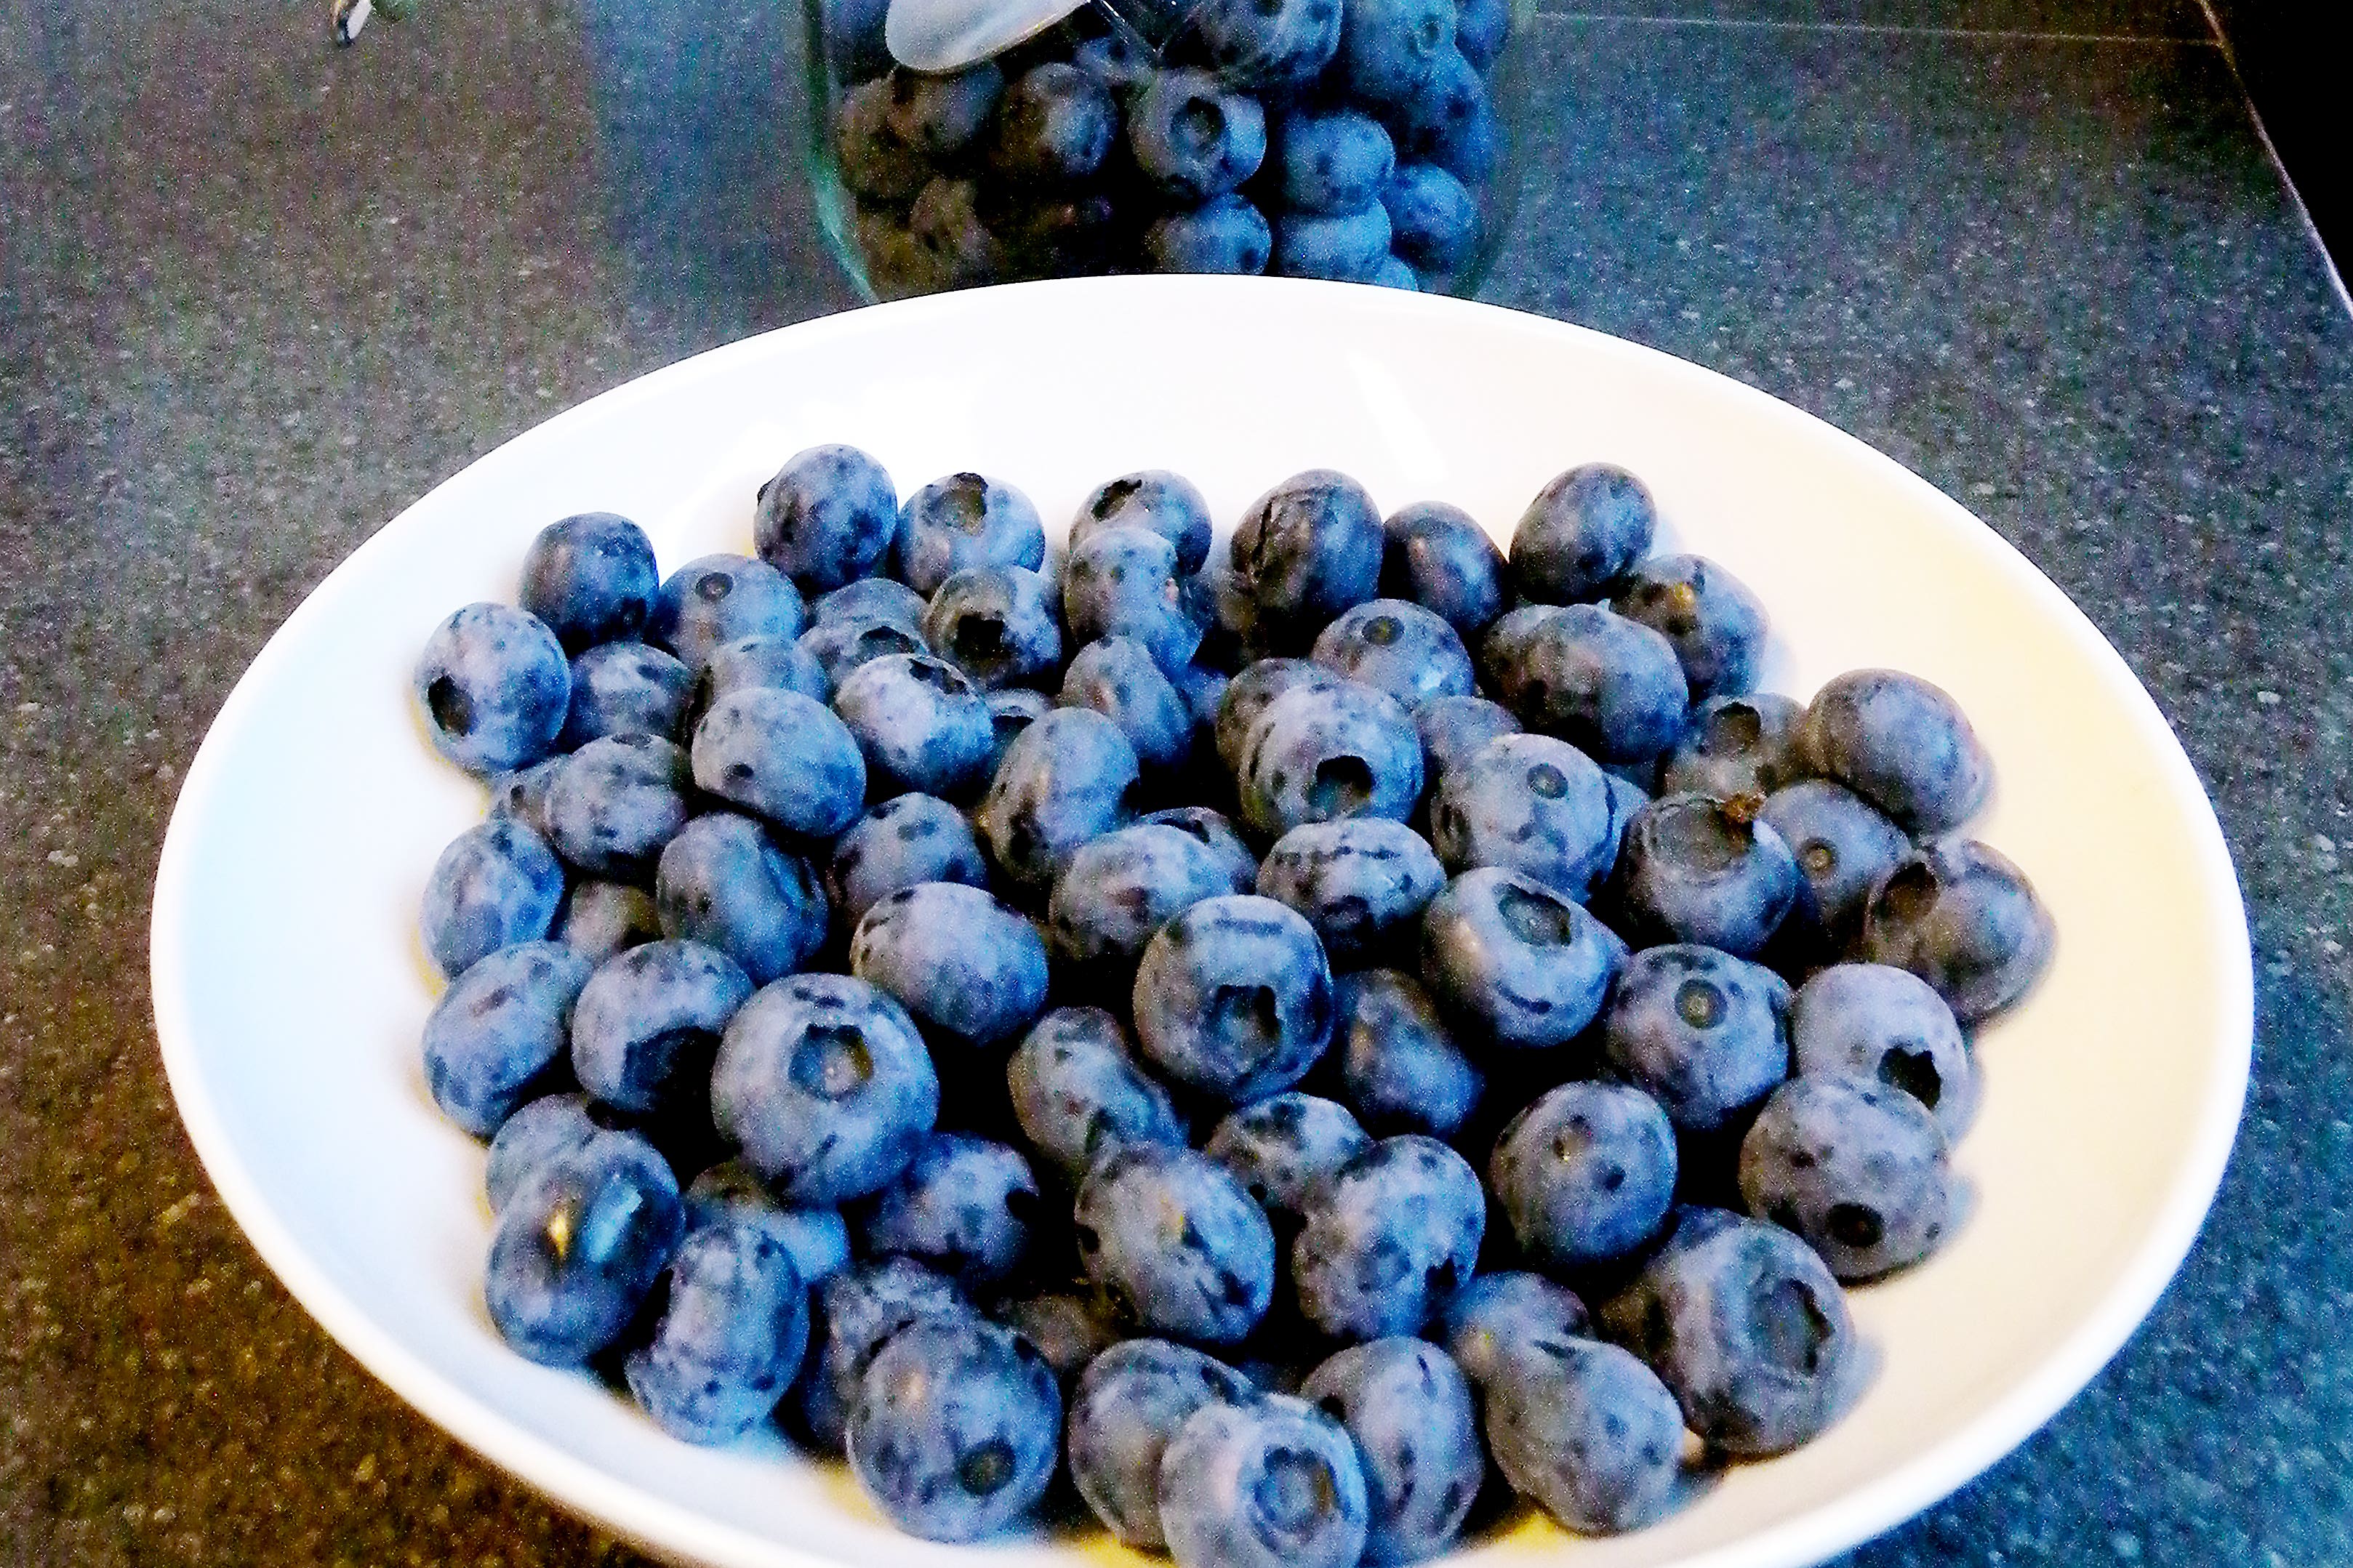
(1338, 138)
(1037, 1022)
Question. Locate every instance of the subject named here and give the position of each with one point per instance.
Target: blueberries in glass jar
(1168, 504)
(1399, 647)
(1407, 1406)
(1054, 125)
(963, 964)
(1449, 122)
(1116, 677)
(956, 245)
(1001, 624)
(827, 518)
(783, 758)
(1585, 1173)
(1128, 1405)
(920, 725)
(1176, 1243)
(1961, 916)
(1706, 1034)
(590, 578)
(1385, 1242)
(1233, 998)
(1608, 686)
(956, 1428)
(964, 1205)
(1271, 1484)
(649, 1020)
(1328, 753)
(1716, 625)
(1439, 558)
(1530, 803)
(1399, 1065)
(1391, 48)
(1121, 582)
(499, 1030)
(1344, 247)
(722, 881)
(492, 886)
(875, 160)
(1276, 45)
(731, 1336)
(1902, 744)
(1480, 28)
(1700, 870)
(494, 686)
(1888, 1026)
(1308, 549)
(1116, 60)
(718, 599)
(1433, 219)
(578, 1246)
(1064, 780)
(1225, 234)
(852, 1316)
(1191, 138)
(1517, 963)
(1078, 1093)
(941, 112)
(1362, 884)
(1118, 890)
(1331, 163)
(1857, 1168)
(1586, 1432)
(1455, 728)
(906, 840)
(1393, 273)
(616, 801)
(1585, 529)
(621, 688)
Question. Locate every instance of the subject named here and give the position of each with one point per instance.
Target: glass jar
(1371, 141)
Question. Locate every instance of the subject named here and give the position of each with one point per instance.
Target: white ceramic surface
(290, 990)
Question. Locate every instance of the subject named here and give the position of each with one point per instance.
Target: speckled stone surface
(256, 296)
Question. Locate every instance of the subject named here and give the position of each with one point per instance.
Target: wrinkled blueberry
(908, 839)
(1397, 646)
(619, 689)
(1400, 1068)
(1498, 1315)
(1308, 549)
(493, 1039)
(1856, 1168)
(824, 1082)
(1128, 1405)
(963, 965)
(1327, 754)
(578, 1246)
(1001, 624)
(1117, 677)
(731, 1192)
(1737, 745)
(827, 518)
(1608, 686)
(1233, 998)
(1585, 1173)
(1176, 1243)
(551, 1125)
(1119, 888)
(965, 520)
(724, 883)
(964, 1205)
(1064, 780)
(1705, 1033)
(617, 801)
(1121, 582)
(1845, 847)
(591, 579)
(1408, 1407)
(1528, 804)
(1078, 1094)
(852, 1316)
(1169, 505)
(731, 1336)
(721, 599)
(941, 111)
(1886, 1025)
(1271, 1484)
(783, 758)
(1700, 870)
(494, 686)
(1211, 829)
(1391, 48)
(1225, 234)
(1192, 139)
(1455, 728)
(1251, 692)
(1362, 884)
(1331, 164)
(1586, 1432)
(1902, 744)
(920, 725)
(1961, 916)
(1516, 962)
(648, 1021)
(495, 885)
(1393, 1234)
(1716, 625)
(1054, 125)
(1346, 247)
(1585, 529)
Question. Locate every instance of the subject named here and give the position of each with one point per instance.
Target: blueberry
(1116, 677)
(956, 246)
(1902, 744)
(731, 1192)
(1610, 686)
(1064, 780)
(1586, 1432)
(723, 882)
(920, 725)
(1701, 870)
(1122, 583)
(1191, 138)
(1069, 1330)
(1480, 28)
(1116, 59)
(1327, 754)
(1225, 234)
(871, 601)
(1155, 500)
(1284, 1149)
(1885, 1025)
(1410, 1411)
(908, 839)
(1961, 916)
(1388, 1238)
(1045, 232)
(1744, 1324)
(1346, 247)
(1737, 745)
(1176, 1243)
(783, 758)
(533, 1135)
(840, 648)
(1449, 122)
(1055, 124)
(1276, 45)
(1856, 1168)
(1331, 163)
(1705, 1033)
(649, 1020)
(964, 1205)
(965, 520)
(1253, 692)
(522, 796)
(1391, 48)
(963, 965)
(1497, 1315)
(1219, 601)
(1401, 1069)
(827, 518)
(1503, 651)
(762, 660)
(1585, 529)
(1272, 1484)
(1129, 1402)
(1716, 625)
(1213, 832)
(875, 160)
(731, 1336)
(1001, 624)
(853, 1315)
(1585, 1173)
(1845, 847)
(491, 1040)
(1233, 998)
(826, 1085)
(1399, 647)
(1203, 689)
(578, 1246)
(1078, 1094)
(1119, 888)
(1309, 549)
(620, 688)
(1455, 728)
(1433, 222)
(1393, 273)
(941, 112)
(1528, 804)
(590, 578)
(493, 885)
(1011, 711)
(1515, 960)
(718, 599)
(1438, 558)
(494, 688)
(898, 265)
(617, 801)
(1362, 884)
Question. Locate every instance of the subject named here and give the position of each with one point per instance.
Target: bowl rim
(670, 1529)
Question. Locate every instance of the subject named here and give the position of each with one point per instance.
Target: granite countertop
(256, 296)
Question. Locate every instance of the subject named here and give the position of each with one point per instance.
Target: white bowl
(290, 990)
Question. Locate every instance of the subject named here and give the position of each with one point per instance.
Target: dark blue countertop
(256, 296)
